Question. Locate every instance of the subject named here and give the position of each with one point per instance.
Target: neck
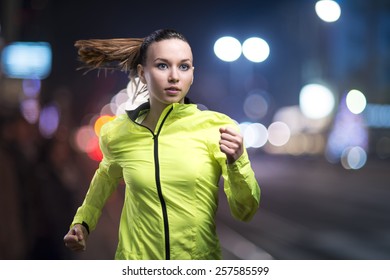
(153, 116)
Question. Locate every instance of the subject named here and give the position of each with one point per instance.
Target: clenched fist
(231, 144)
(76, 238)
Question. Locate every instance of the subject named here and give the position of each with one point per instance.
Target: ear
(193, 68)
(141, 73)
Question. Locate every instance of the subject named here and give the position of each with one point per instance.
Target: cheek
(156, 82)
(157, 76)
(151, 79)
(189, 80)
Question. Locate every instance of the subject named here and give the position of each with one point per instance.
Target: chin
(175, 99)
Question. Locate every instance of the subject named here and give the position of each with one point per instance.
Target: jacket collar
(133, 114)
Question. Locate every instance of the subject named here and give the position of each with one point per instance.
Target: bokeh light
(356, 101)
(255, 49)
(292, 116)
(255, 105)
(353, 158)
(100, 122)
(316, 101)
(26, 60)
(108, 109)
(227, 49)
(86, 137)
(82, 138)
(117, 102)
(255, 134)
(278, 133)
(31, 87)
(349, 130)
(94, 151)
(328, 10)
(49, 120)
(30, 110)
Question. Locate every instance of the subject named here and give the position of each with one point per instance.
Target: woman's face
(168, 71)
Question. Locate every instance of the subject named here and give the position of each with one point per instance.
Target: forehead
(170, 49)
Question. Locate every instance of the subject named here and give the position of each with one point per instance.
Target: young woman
(170, 154)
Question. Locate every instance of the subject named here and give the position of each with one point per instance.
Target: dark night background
(310, 208)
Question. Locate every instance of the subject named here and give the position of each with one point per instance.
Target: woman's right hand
(76, 238)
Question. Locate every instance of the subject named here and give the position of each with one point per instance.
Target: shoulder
(215, 118)
(200, 111)
(116, 122)
(206, 122)
(114, 127)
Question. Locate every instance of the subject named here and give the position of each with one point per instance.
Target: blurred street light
(328, 10)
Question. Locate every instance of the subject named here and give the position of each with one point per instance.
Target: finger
(233, 145)
(227, 150)
(74, 235)
(83, 245)
(234, 139)
(79, 233)
(230, 154)
(70, 238)
(228, 137)
(231, 135)
(229, 131)
(76, 245)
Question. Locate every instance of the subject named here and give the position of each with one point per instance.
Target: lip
(172, 90)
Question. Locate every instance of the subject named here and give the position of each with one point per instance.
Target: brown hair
(111, 54)
(121, 54)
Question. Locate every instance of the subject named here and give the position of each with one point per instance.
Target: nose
(173, 76)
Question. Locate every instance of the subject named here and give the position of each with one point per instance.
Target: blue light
(27, 60)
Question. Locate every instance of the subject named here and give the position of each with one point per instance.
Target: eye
(184, 67)
(162, 66)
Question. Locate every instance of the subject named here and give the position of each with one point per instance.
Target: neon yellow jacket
(171, 177)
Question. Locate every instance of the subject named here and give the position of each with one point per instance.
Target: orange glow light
(101, 121)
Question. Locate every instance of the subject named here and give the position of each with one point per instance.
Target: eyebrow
(166, 60)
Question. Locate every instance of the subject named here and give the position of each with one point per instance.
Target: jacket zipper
(159, 189)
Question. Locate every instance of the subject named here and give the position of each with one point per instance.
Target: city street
(311, 209)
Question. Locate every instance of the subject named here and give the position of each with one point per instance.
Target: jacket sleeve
(241, 188)
(103, 184)
(240, 184)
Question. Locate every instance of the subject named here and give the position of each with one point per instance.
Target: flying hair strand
(110, 54)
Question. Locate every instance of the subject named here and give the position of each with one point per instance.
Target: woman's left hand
(231, 144)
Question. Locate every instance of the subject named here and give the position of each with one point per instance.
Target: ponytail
(110, 54)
